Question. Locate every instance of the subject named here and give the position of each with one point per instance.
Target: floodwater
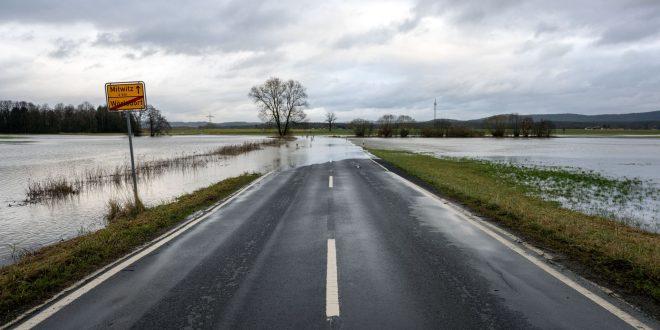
(619, 158)
(36, 157)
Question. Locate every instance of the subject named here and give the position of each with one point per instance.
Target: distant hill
(625, 117)
(229, 124)
(637, 120)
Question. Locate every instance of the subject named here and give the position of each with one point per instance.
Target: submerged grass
(54, 188)
(631, 201)
(58, 187)
(625, 257)
(43, 273)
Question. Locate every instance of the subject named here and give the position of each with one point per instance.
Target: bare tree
(526, 126)
(514, 123)
(403, 124)
(330, 118)
(157, 124)
(280, 102)
(543, 128)
(361, 127)
(386, 125)
(497, 125)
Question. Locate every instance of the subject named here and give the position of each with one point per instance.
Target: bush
(361, 127)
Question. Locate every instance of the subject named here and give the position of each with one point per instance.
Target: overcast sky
(359, 59)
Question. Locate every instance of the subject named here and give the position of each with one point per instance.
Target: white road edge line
(330, 183)
(331, 286)
(484, 226)
(107, 273)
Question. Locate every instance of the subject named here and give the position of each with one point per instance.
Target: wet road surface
(402, 260)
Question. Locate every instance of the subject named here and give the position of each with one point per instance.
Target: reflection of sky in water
(613, 157)
(38, 157)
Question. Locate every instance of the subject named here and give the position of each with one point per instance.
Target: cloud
(361, 58)
(64, 48)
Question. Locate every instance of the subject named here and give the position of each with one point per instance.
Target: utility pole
(209, 117)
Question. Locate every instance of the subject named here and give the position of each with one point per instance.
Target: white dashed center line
(331, 286)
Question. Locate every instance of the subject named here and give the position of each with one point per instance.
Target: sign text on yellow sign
(125, 96)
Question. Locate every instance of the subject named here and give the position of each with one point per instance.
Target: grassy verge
(41, 274)
(610, 252)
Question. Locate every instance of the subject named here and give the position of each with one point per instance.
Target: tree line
(20, 117)
(498, 126)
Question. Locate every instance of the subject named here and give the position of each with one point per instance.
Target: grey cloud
(174, 26)
(375, 36)
(545, 64)
(64, 48)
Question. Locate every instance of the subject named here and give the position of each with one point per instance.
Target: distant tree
(386, 125)
(514, 124)
(526, 126)
(403, 124)
(497, 125)
(155, 121)
(361, 127)
(443, 126)
(330, 118)
(280, 102)
(543, 128)
(26, 117)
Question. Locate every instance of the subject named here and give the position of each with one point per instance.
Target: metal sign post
(126, 97)
(130, 144)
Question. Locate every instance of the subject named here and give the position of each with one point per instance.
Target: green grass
(619, 255)
(624, 199)
(43, 273)
(254, 131)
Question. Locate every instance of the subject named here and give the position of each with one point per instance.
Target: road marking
(484, 227)
(330, 181)
(331, 286)
(106, 273)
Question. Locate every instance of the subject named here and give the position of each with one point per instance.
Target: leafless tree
(157, 124)
(526, 126)
(543, 128)
(403, 124)
(497, 125)
(514, 123)
(330, 118)
(280, 102)
(386, 125)
(361, 127)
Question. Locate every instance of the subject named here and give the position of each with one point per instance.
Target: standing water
(618, 158)
(37, 157)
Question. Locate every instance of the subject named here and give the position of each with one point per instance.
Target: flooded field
(28, 159)
(633, 162)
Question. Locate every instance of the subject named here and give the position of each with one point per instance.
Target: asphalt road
(403, 260)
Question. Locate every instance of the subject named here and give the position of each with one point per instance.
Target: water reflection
(37, 224)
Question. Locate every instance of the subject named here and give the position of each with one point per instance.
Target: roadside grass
(123, 210)
(39, 275)
(631, 201)
(609, 251)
